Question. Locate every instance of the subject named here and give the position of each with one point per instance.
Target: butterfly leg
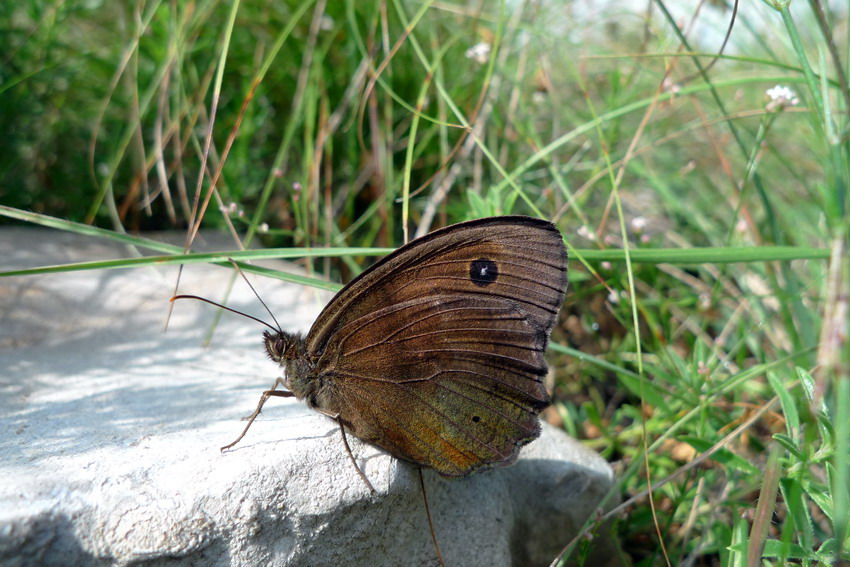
(335, 417)
(266, 395)
(278, 382)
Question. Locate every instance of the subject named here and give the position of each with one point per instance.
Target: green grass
(703, 347)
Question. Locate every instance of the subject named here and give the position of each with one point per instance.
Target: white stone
(110, 431)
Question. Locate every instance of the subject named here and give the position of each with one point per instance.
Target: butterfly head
(290, 351)
(282, 347)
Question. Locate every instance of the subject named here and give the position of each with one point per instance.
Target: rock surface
(110, 431)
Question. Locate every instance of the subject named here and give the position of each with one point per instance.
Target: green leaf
(808, 383)
(478, 207)
(741, 538)
(790, 446)
(652, 394)
(722, 456)
(798, 511)
(827, 430)
(789, 408)
(783, 550)
(820, 495)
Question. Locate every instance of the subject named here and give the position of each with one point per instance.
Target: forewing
(519, 260)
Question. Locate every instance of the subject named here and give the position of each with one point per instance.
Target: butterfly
(436, 352)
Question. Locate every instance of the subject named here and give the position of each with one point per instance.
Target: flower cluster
(780, 97)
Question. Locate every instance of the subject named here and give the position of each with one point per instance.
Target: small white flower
(479, 52)
(326, 23)
(606, 265)
(296, 186)
(638, 224)
(263, 228)
(670, 86)
(585, 232)
(613, 297)
(780, 97)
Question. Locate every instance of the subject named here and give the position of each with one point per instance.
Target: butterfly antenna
(430, 523)
(247, 281)
(219, 305)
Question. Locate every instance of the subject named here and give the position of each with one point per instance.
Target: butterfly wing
(455, 387)
(436, 352)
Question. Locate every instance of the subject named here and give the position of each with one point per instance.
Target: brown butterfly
(435, 353)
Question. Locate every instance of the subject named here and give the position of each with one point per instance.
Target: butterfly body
(435, 353)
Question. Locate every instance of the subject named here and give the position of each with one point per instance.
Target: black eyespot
(483, 272)
(476, 419)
